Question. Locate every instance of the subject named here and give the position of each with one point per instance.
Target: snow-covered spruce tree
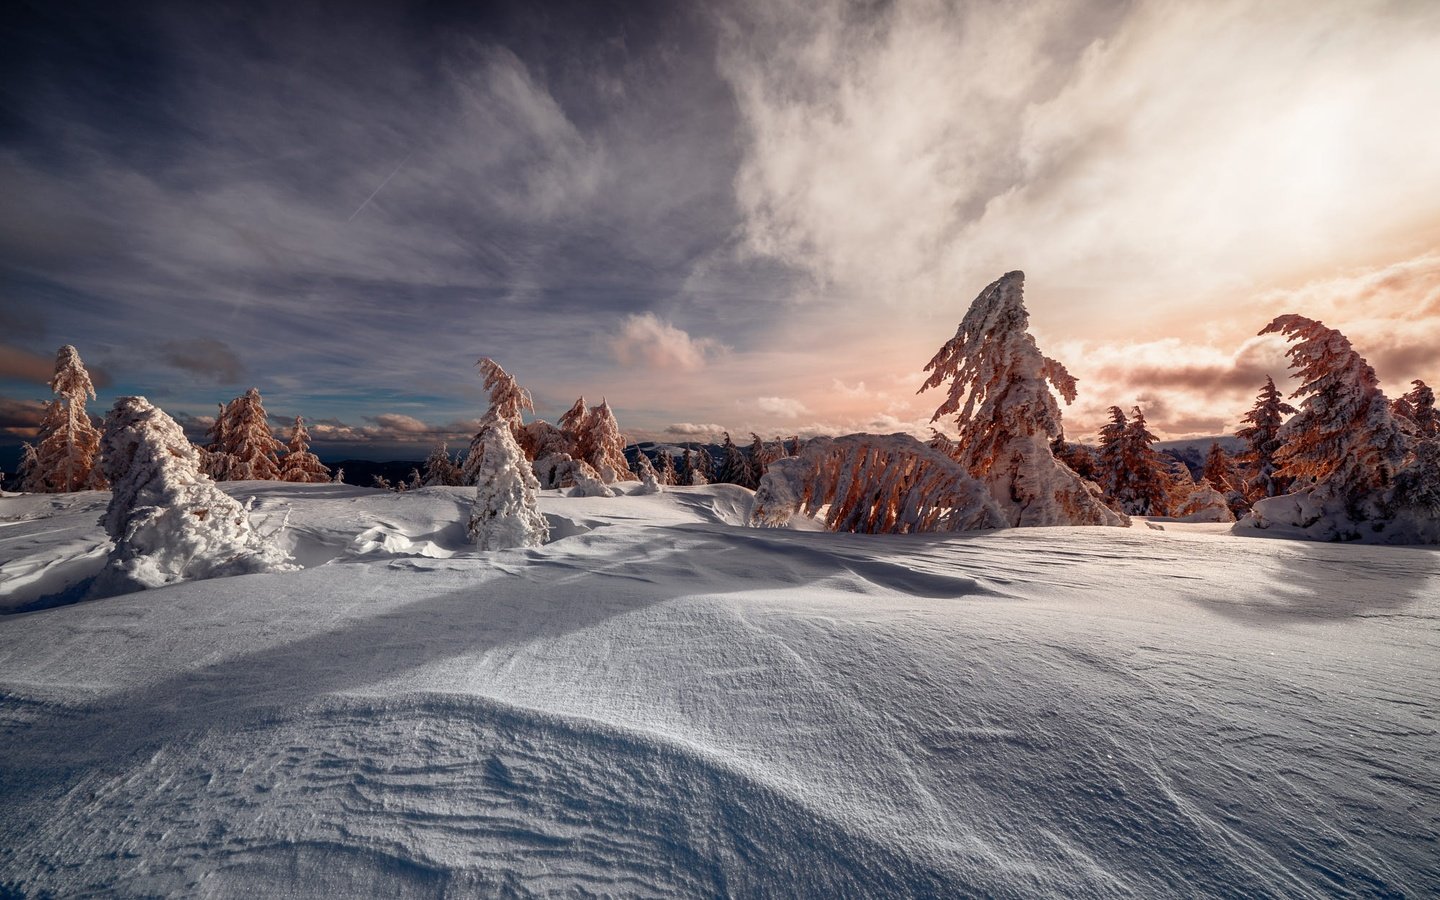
(735, 467)
(540, 439)
(1416, 411)
(601, 444)
(645, 471)
(245, 437)
(339, 477)
(668, 475)
(440, 469)
(508, 402)
(1000, 393)
(1149, 481)
(572, 425)
(1262, 438)
(299, 464)
(1342, 449)
(1110, 457)
(65, 456)
(1220, 472)
(875, 484)
(506, 511)
(168, 520)
(760, 457)
(692, 467)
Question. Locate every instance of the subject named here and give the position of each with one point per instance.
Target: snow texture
(659, 703)
(1000, 393)
(169, 522)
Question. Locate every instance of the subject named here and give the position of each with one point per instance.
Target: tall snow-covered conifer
(602, 445)
(68, 443)
(1000, 393)
(508, 401)
(243, 434)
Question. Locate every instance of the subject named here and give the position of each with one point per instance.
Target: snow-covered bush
(1000, 392)
(299, 464)
(168, 520)
(875, 484)
(68, 444)
(588, 482)
(506, 510)
(440, 469)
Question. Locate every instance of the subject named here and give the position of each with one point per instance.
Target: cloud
(784, 407)
(647, 340)
(397, 423)
(205, 357)
(691, 429)
(20, 418)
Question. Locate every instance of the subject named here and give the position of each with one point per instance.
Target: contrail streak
(379, 189)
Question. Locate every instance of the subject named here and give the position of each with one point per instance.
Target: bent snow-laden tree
(508, 401)
(506, 510)
(875, 484)
(169, 521)
(300, 465)
(68, 443)
(1008, 418)
(1343, 449)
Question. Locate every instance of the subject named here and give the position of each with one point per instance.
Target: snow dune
(661, 703)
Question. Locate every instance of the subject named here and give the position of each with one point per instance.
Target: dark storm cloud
(206, 357)
(356, 198)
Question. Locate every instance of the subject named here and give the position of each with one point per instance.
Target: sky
(754, 216)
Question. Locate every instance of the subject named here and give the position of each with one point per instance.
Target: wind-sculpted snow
(660, 703)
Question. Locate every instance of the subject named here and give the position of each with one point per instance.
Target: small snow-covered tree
(668, 475)
(300, 465)
(645, 470)
(1416, 411)
(1000, 394)
(600, 443)
(506, 510)
(243, 434)
(1262, 438)
(1148, 479)
(1202, 503)
(440, 469)
(692, 467)
(735, 467)
(168, 520)
(339, 477)
(587, 482)
(760, 456)
(874, 484)
(68, 443)
(1220, 472)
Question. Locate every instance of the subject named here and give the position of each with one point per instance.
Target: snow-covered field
(661, 703)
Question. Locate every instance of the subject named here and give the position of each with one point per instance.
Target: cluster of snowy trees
(67, 453)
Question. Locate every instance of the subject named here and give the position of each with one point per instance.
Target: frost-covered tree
(645, 471)
(508, 402)
(540, 439)
(735, 467)
(1343, 434)
(440, 469)
(600, 443)
(1355, 474)
(760, 456)
(1262, 438)
(506, 511)
(243, 434)
(1416, 411)
(68, 443)
(875, 484)
(168, 520)
(339, 477)
(572, 424)
(1220, 472)
(668, 475)
(693, 466)
(300, 465)
(1148, 480)
(586, 482)
(1000, 392)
